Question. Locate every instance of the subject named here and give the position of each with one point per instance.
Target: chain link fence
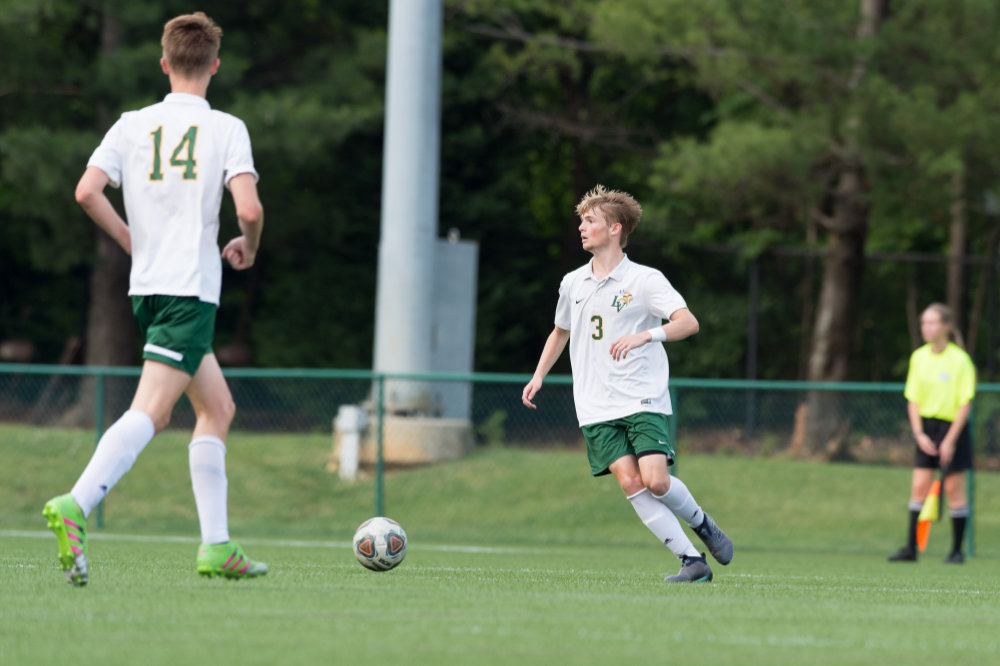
(864, 422)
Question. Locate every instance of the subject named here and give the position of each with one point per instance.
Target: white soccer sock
(958, 511)
(116, 452)
(207, 459)
(662, 523)
(680, 500)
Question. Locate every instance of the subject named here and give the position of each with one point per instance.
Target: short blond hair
(620, 207)
(191, 43)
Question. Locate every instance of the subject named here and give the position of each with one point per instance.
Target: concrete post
(410, 171)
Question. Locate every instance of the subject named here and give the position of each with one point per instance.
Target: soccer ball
(380, 543)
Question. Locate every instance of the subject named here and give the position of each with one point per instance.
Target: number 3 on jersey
(186, 147)
(598, 322)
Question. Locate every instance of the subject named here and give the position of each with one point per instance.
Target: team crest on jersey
(621, 300)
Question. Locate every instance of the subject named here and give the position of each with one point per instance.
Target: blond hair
(191, 43)
(618, 207)
(944, 312)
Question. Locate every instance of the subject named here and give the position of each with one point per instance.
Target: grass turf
(541, 605)
(515, 557)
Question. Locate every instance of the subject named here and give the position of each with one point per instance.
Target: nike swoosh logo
(578, 300)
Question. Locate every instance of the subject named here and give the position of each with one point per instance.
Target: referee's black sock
(959, 519)
(911, 542)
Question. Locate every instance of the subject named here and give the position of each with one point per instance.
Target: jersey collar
(617, 274)
(187, 98)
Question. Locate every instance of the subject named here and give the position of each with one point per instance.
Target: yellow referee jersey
(940, 383)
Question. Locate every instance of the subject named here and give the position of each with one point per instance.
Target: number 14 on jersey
(183, 155)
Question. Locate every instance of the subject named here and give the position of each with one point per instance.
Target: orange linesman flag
(930, 511)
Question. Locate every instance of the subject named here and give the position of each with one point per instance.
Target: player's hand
(239, 254)
(926, 444)
(623, 345)
(947, 453)
(529, 392)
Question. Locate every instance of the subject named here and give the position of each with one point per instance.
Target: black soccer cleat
(904, 554)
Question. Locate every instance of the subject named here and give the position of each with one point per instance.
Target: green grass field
(515, 557)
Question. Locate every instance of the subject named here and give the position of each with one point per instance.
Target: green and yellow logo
(621, 300)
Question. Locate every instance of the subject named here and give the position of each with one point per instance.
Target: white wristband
(657, 334)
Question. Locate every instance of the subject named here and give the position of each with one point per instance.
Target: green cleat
(66, 520)
(228, 560)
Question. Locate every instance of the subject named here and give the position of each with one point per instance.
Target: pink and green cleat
(227, 560)
(66, 520)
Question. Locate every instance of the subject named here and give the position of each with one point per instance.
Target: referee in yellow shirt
(940, 385)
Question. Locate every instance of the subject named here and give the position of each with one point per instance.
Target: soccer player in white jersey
(611, 313)
(173, 160)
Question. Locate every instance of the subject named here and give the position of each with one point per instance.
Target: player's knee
(631, 484)
(227, 410)
(161, 421)
(220, 411)
(659, 487)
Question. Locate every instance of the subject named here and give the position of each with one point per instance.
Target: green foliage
(43, 215)
(308, 85)
(557, 114)
(725, 119)
(754, 180)
(797, 93)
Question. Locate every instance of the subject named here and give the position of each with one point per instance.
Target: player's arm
(90, 195)
(241, 252)
(947, 448)
(682, 325)
(554, 346)
(965, 388)
(925, 443)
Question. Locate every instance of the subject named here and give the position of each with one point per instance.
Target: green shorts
(638, 434)
(177, 330)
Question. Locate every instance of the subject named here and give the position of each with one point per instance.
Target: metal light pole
(410, 171)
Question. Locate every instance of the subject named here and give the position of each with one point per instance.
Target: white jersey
(632, 299)
(173, 159)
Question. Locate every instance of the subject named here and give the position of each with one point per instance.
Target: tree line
(812, 174)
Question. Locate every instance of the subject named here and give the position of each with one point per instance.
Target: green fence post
(672, 425)
(971, 484)
(379, 433)
(971, 476)
(99, 426)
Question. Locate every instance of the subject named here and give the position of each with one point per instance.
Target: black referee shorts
(936, 429)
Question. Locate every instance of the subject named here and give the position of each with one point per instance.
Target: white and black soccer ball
(380, 543)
